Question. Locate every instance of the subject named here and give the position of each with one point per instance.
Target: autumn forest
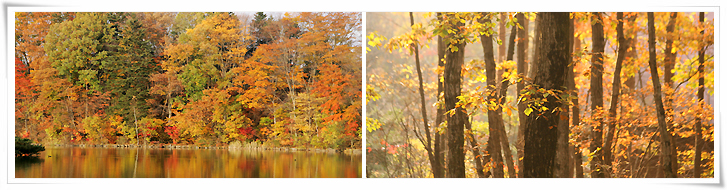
(522, 95)
(447, 94)
(189, 78)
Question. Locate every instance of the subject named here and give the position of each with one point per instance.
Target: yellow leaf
(528, 111)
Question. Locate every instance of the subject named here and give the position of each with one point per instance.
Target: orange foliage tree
(189, 78)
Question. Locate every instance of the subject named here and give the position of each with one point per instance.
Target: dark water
(74, 162)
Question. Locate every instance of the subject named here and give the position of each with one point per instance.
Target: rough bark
(615, 94)
(552, 58)
(522, 69)
(428, 141)
(493, 117)
(700, 98)
(452, 89)
(666, 142)
(494, 150)
(563, 150)
(563, 157)
(597, 93)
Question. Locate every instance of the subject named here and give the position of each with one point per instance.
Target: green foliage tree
(25, 147)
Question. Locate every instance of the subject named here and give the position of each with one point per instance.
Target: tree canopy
(204, 78)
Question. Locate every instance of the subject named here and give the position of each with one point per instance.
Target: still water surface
(75, 162)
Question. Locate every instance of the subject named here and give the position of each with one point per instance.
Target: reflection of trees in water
(26, 161)
(187, 163)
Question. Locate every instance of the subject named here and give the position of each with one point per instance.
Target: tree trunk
(563, 156)
(493, 148)
(616, 93)
(169, 96)
(631, 26)
(563, 150)
(629, 86)
(493, 117)
(669, 62)
(70, 112)
(428, 143)
(576, 110)
(666, 141)
(630, 81)
(136, 126)
(502, 37)
(534, 67)
(504, 141)
(552, 60)
(669, 59)
(700, 98)
(522, 46)
(452, 89)
(438, 167)
(597, 94)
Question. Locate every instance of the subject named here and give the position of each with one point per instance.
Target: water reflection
(27, 162)
(66, 162)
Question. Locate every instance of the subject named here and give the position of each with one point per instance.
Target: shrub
(24, 147)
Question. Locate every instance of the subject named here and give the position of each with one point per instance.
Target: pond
(77, 162)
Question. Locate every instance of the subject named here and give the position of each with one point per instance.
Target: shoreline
(195, 147)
